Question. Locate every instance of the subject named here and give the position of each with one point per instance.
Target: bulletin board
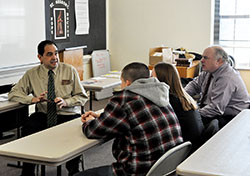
(65, 9)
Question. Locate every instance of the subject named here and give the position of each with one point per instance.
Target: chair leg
(82, 162)
(37, 170)
(42, 170)
(59, 170)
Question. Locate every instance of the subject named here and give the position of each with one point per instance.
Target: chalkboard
(95, 40)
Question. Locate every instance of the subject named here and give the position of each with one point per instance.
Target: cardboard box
(157, 55)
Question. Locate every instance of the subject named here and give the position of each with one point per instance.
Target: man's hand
(40, 98)
(90, 115)
(60, 102)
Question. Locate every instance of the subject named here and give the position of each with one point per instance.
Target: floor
(97, 156)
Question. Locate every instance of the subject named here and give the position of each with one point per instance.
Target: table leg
(18, 131)
(18, 123)
(43, 170)
(90, 100)
(59, 170)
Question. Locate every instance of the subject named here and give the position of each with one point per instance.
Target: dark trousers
(223, 120)
(38, 122)
(213, 125)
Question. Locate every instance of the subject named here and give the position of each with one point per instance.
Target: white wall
(134, 26)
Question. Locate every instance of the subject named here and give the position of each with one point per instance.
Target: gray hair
(219, 52)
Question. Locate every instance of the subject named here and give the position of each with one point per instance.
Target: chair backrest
(231, 61)
(168, 162)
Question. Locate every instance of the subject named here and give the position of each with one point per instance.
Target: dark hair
(134, 71)
(42, 44)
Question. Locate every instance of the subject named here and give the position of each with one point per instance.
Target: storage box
(160, 54)
(184, 62)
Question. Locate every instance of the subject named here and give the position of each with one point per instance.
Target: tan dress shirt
(67, 86)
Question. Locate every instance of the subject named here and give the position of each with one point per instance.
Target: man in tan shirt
(33, 88)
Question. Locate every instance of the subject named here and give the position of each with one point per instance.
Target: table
(51, 147)
(11, 115)
(6, 106)
(226, 153)
(97, 84)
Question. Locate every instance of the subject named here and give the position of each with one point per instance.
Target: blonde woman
(183, 104)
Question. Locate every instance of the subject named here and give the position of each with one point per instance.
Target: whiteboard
(22, 27)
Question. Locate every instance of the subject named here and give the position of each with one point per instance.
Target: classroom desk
(98, 84)
(51, 147)
(12, 114)
(226, 153)
(6, 106)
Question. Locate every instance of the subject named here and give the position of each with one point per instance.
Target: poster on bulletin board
(59, 20)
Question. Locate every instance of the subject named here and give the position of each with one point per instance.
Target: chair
(231, 61)
(168, 162)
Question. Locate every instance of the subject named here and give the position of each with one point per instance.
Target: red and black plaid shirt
(142, 130)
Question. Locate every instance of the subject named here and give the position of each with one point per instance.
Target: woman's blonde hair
(167, 73)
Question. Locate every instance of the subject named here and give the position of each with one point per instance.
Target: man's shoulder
(120, 94)
(33, 69)
(124, 97)
(65, 65)
(228, 73)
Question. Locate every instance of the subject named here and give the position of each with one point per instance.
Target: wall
(22, 27)
(246, 78)
(134, 26)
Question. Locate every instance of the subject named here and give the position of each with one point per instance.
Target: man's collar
(46, 69)
(217, 72)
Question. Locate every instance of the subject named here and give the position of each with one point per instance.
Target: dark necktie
(205, 91)
(51, 105)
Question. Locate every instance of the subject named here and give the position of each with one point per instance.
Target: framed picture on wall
(60, 23)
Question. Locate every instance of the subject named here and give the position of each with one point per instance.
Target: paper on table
(115, 72)
(89, 82)
(98, 78)
(111, 76)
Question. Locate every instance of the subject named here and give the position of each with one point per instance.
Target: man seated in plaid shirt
(140, 119)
